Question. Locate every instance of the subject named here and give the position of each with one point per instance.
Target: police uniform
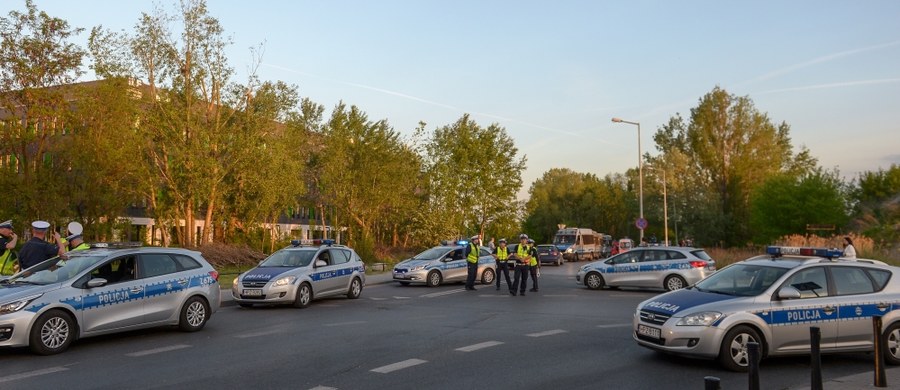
(523, 265)
(37, 250)
(471, 254)
(7, 257)
(502, 258)
(534, 266)
(75, 229)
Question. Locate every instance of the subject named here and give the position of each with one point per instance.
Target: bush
(229, 256)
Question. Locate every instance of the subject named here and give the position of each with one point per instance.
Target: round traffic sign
(641, 223)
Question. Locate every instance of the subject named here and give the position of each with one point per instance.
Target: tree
(876, 204)
(785, 205)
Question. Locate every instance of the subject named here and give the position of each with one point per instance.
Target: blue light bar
(295, 242)
(803, 251)
(462, 242)
(328, 242)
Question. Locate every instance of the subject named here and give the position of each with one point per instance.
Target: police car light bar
(803, 251)
(462, 242)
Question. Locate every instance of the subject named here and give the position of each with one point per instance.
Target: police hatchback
(300, 273)
(443, 264)
(773, 300)
(105, 290)
(669, 267)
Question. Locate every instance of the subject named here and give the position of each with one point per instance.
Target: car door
(792, 318)
(166, 284)
(625, 268)
(116, 305)
(857, 300)
(652, 269)
(343, 269)
(455, 266)
(323, 277)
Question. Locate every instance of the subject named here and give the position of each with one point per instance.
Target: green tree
(876, 204)
(785, 205)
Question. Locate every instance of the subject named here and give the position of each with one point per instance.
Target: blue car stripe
(818, 314)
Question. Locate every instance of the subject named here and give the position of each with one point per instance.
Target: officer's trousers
(521, 274)
(472, 271)
(503, 269)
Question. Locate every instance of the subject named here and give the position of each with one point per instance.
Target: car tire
(733, 354)
(487, 277)
(245, 305)
(433, 279)
(52, 333)
(355, 289)
(304, 296)
(674, 282)
(594, 281)
(194, 314)
(892, 344)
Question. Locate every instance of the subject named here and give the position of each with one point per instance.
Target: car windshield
(54, 270)
(431, 254)
(741, 279)
(701, 254)
(289, 258)
(564, 239)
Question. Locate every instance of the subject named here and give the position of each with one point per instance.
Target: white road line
(546, 333)
(158, 350)
(346, 323)
(396, 297)
(398, 366)
(604, 326)
(378, 299)
(560, 295)
(475, 347)
(323, 388)
(258, 334)
(442, 293)
(29, 374)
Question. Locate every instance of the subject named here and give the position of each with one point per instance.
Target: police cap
(6, 224)
(40, 225)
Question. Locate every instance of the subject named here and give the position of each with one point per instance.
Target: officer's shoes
(513, 293)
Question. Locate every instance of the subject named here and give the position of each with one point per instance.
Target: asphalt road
(564, 337)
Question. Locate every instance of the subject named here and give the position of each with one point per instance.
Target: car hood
(264, 274)
(677, 301)
(13, 292)
(411, 263)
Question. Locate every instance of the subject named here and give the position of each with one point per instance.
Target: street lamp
(665, 204)
(640, 171)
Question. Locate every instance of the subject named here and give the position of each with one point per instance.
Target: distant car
(773, 300)
(105, 290)
(300, 273)
(443, 264)
(550, 254)
(670, 268)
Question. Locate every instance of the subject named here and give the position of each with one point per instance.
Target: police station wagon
(443, 264)
(103, 290)
(300, 273)
(670, 268)
(773, 300)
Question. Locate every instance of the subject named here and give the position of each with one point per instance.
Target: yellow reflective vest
(502, 254)
(473, 253)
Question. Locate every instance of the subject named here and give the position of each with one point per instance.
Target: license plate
(399, 276)
(649, 332)
(252, 292)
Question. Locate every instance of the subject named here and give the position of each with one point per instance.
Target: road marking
(396, 297)
(604, 326)
(475, 347)
(323, 388)
(158, 350)
(398, 366)
(378, 299)
(257, 334)
(546, 333)
(560, 295)
(442, 293)
(29, 374)
(346, 323)
(495, 296)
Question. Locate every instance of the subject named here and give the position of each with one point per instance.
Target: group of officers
(524, 257)
(37, 248)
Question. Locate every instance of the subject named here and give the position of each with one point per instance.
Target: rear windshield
(701, 254)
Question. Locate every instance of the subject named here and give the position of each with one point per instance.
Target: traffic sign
(641, 223)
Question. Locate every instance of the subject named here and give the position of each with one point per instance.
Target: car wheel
(194, 314)
(434, 279)
(245, 305)
(404, 283)
(733, 354)
(892, 344)
(487, 277)
(304, 296)
(52, 333)
(674, 282)
(594, 281)
(355, 289)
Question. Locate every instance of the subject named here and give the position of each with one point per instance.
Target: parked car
(444, 264)
(550, 254)
(670, 268)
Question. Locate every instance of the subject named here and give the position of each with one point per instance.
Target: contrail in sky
(822, 59)
(833, 85)
(418, 99)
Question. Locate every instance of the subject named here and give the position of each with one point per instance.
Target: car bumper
(14, 328)
(579, 277)
(692, 341)
(419, 276)
(270, 295)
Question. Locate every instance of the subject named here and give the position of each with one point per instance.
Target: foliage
(876, 205)
(785, 205)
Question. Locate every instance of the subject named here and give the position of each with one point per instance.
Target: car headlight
(705, 318)
(585, 267)
(284, 281)
(417, 268)
(570, 250)
(234, 283)
(14, 306)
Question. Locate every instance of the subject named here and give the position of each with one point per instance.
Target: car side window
(156, 264)
(324, 256)
(484, 252)
(880, 277)
(851, 280)
(340, 256)
(811, 282)
(186, 262)
(628, 257)
(118, 270)
(655, 255)
(675, 255)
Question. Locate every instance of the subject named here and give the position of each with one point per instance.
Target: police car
(773, 300)
(670, 268)
(300, 273)
(444, 264)
(105, 290)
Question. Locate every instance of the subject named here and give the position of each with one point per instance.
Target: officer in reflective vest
(75, 240)
(472, 262)
(501, 256)
(523, 264)
(8, 239)
(534, 266)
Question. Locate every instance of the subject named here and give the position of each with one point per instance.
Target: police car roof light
(778, 251)
(99, 245)
(462, 242)
(328, 242)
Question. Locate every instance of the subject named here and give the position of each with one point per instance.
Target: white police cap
(475, 237)
(75, 229)
(6, 224)
(40, 225)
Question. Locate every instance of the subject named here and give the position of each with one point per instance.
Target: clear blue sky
(554, 73)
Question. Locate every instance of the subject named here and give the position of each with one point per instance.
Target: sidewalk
(864, 380)
(371, 279)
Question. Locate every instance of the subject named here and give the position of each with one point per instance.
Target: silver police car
(665, 267)
(444, 264)
(773, 300)
(105, 290)
(300, 273)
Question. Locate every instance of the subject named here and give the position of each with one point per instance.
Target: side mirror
(788, 292)
(96, 282)
(321, 263)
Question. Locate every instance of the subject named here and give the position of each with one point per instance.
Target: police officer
(534, 266)
(36, 249)
(8, 240)
(471, 254)
(75, 242)
(523, 265)
(501, 256)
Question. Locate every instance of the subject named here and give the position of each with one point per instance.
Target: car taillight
(214, 275)
(698, 264)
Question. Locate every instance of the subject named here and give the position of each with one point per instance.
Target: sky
(554, 73)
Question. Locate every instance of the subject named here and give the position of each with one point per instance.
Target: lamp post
(640, 171)
(665, 204)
